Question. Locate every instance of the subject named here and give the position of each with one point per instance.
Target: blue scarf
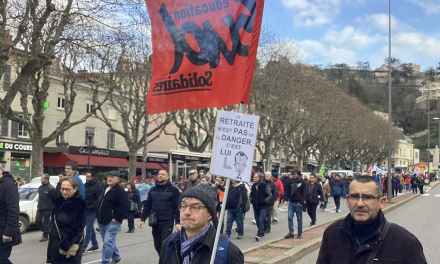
(188, 245)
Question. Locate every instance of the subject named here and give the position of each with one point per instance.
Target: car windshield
(27, 194)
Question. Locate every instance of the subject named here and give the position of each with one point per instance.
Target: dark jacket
(202, 254)
(164, 201)
(414, 181)
(80, 186)
(58, 190)
(93, 193)
(9, 211)
(399, 245)
(237, 197)
(318, 194)
(191, 184)
(70, 219)
(261, 196)
(112, 205)
(336, 187)
(273, 189)
(46, 196)
(296, 190)
(135, 198)
(396, 183)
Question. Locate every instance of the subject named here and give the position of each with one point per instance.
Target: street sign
(234, 145)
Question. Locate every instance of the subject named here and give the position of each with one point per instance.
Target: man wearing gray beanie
(195, 240)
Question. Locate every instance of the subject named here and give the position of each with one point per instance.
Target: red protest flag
(204, 52)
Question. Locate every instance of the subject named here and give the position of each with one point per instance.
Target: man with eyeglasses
(162, 204)
(195, 241)
(365, 235)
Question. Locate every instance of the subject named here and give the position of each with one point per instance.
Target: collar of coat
(208, 241)
(347, 225)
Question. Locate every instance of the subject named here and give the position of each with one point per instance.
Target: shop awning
(61, 158)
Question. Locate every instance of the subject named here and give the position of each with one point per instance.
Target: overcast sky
(346, 31)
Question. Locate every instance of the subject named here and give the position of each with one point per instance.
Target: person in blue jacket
(336, 187)
(396, 184)
(70, 169)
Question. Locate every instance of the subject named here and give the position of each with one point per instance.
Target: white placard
(234, 145)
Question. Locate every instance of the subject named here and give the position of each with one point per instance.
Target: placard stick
(222, 212)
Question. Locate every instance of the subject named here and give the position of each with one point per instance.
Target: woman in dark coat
(68, 222)
(134, 197)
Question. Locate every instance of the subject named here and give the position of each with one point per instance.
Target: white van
(343, 172)
(29, 200)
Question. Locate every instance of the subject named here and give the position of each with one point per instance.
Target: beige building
(404, 154)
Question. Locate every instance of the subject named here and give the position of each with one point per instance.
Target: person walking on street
(314, 195)
(326, 193)
(162, 209)
(70, 169)
(276, 205)
(236, 206)
(296, 191)
(195, 241)
(421, 183)
(68, 221)
(401, 184)
(396, 184)
(346, 182)
(9, 214)
(365, 234)
(269, 208)
(336, 187)
(134, 205)
(111, 212)
(46, 199)
(408, 183)
(193, 180)
(414, 183)
(58, 187)
(261, 196)
(93, 190)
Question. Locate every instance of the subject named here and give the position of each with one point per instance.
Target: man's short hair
(297, 171)
(46, 176)
(259, 174)
(367, 179)
(166, 172)
(72, 165)
(91, 174)
(268, 172)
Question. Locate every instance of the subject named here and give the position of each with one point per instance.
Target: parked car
(29, 201)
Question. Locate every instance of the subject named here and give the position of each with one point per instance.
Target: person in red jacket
(280, 187)
(408, 183)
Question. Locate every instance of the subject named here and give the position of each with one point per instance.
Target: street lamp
(437, 118)
(389, 188)
(89, 135)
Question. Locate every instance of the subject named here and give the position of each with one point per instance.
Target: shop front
(182, 161)
(16, 158)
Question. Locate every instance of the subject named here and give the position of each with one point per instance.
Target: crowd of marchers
(184, 223)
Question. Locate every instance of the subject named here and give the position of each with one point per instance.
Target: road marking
(437, 195)
(426, 194)
(93, 261)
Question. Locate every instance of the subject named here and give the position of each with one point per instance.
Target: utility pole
(389, 188)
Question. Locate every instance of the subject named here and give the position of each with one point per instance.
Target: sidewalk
(286, 251)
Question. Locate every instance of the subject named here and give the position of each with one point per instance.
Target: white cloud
(431, 6)
(381, 21)
(351, 37)
(329, 53)
(311, 13)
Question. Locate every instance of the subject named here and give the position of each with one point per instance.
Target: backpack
(221, 256)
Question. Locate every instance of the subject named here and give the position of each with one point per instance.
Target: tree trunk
(132, 155)
(352, 165)
(144, 162)
(37, 158)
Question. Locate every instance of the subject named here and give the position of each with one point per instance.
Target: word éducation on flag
(204, 52)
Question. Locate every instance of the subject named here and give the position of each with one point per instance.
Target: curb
(301, 251)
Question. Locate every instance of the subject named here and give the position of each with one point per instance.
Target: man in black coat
(46, 200)
(163, 204)
(365, 233)
(269, 208)
(9, 214)
(314, 195)
(261, 196)
(93, 191)
(296, 192)
(112, 210)
(236, 206)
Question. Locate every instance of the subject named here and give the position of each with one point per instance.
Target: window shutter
(14, 131)
(5, 127)
(7, 78)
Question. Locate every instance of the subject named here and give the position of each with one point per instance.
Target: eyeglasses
(66, 189)
(365, 198)
(192, 208)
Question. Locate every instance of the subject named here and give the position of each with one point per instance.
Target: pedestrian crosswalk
(426, 194)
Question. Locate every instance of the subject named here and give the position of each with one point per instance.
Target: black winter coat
(236, 194)
(296, 190)
(9, 211)
(317, 192)
(273, 189)
(262, 197)
(336, 187)
(70, 216)
(112, 205)
(399, 245)
(202, 253)
(93, 193)
(135, 197)
(164, 200)
(46, 196)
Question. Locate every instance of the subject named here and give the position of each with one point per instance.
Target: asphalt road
(418, 216)
(138, 247)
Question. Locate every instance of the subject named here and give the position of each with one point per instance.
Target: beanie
(205, 194)
(275, 175)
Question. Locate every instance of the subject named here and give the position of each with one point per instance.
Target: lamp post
(389, 190)
(89, 135)
(437, 118)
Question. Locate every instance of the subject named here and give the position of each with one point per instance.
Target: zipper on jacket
(100, 206)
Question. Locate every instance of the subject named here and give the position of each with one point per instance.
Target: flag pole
(222, 212)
